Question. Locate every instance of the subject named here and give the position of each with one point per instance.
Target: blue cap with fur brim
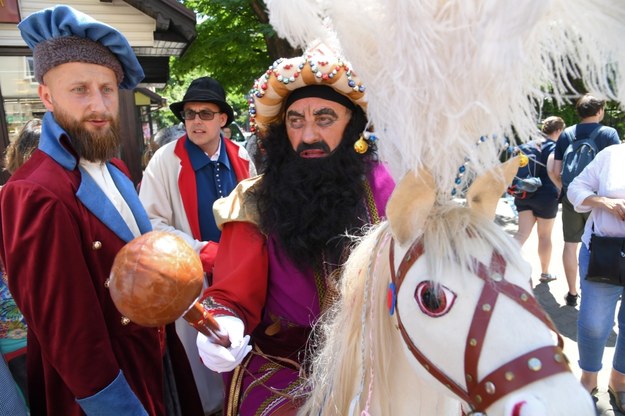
(64, 21)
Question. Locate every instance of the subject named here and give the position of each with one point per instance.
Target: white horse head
(437, 314)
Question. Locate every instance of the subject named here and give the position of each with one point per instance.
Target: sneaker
(547, 277)
(571, 300)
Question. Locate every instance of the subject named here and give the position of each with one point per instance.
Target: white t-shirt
(604, 176)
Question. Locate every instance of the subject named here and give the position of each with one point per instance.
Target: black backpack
(578, 155)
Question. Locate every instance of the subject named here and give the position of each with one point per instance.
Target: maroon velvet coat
(57, 256)
(59, 235)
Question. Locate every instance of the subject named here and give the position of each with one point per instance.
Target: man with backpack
(575, 148)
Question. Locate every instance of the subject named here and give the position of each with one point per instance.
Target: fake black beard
(92, 146)
(309, 205)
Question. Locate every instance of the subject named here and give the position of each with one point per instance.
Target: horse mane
(337, 364)
(343, 366)
(454, 232)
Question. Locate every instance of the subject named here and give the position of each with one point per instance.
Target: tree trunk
(276, 46)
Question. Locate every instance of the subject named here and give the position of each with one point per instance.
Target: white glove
(219, 358)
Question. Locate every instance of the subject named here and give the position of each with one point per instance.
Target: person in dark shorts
(541, 207)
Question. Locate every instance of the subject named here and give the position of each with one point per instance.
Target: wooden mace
(156, 278)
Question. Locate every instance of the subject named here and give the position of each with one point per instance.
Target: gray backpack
(578, 155)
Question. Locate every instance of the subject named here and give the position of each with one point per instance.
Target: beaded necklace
(459, 186)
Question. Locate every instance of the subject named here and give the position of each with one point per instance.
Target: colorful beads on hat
(319, 73)
(252, 112)
(325, 66)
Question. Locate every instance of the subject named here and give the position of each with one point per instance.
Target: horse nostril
(516, 410)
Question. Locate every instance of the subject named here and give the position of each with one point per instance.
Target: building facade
(156, 30)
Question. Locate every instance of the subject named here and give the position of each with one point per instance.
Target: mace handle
(205, 322)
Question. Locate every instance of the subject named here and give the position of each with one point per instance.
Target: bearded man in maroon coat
(64, 216)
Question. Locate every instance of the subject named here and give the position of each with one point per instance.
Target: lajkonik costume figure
(283, 233)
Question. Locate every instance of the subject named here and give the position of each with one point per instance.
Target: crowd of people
(545, 162)
(591, 111)
(593, 204)
(271, 245)
(592, 197)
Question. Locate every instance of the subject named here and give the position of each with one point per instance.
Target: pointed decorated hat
(319, 66)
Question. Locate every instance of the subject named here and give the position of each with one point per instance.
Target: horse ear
(485, 191)
(410, 203)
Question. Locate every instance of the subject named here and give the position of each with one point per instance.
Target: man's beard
(309, 205)
(95, 146)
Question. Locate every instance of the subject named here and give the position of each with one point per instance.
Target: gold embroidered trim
(232, 407)
(373, 209)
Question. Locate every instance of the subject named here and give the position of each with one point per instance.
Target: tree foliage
(235, 43)
(613, 117)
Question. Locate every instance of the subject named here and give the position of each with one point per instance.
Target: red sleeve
(207, 256)
(240, 275)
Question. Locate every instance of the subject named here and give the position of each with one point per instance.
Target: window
(30, 69)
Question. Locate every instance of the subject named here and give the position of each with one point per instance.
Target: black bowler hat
(204, 90)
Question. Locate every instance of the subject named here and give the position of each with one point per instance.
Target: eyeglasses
(204, 114)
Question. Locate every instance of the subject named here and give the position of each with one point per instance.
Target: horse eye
(434, 299)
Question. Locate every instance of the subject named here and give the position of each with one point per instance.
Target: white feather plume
(440, 74)
(300, 22)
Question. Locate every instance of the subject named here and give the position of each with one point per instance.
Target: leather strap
(527, 368)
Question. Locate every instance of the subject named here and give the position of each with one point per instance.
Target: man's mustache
(98, 116)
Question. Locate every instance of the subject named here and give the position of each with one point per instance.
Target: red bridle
(527, 368)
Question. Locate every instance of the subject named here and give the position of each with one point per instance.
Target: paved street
(551, 297)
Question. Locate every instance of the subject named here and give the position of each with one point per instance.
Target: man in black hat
(180, 184)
